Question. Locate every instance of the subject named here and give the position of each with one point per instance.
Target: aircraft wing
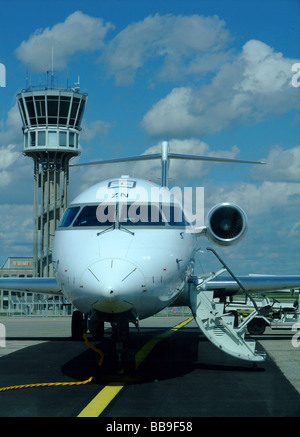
(254, 283)
(33, 285)
(224, 286)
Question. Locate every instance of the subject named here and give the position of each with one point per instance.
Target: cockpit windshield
(68, 216)
(123, 214)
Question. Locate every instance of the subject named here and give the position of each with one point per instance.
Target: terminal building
(15, 267)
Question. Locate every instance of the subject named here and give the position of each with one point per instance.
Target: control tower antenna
(52, 71)
(51, 125)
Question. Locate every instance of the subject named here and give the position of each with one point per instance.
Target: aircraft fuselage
(122, 266)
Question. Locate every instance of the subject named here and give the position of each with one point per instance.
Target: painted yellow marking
(108, 393)
(101, 400)
(147, 348)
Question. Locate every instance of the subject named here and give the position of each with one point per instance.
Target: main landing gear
(77, 326)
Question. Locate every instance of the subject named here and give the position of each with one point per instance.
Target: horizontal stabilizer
(116, 160)
(165, 157)
(170, 156)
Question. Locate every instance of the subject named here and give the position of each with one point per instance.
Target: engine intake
(227, 224)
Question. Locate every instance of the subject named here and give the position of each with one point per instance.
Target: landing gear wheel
(98, 333)
(120, 337)
(256, 327)
(77, 329)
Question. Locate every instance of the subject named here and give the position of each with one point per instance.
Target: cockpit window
(176, 216)
(90, 216)
(68, 216)
(124, 214)
(139, 214)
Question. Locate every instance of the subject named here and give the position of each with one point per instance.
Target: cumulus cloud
(250, 88)
(16, 230)
(259, 199)
(180, 43)
(8, 156)
(94, 128)
(282, 165)
(11, 131)
(79, 32)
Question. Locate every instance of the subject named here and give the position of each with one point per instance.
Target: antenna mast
(52, 73)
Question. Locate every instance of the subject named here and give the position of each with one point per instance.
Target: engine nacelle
(226, 224)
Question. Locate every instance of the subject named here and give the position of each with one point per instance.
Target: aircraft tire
(98, 334)
(256, 327)
(77, 326)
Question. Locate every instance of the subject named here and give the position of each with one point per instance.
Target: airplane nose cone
(116, 282)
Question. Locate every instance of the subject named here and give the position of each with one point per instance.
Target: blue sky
(212, 77)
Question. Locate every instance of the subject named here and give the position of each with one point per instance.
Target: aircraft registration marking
(110, 391)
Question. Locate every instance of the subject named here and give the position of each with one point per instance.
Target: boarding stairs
(220, 327)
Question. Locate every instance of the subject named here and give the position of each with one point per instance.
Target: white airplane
(124, 250)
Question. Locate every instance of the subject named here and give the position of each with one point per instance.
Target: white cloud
(16, 230)
(295, 231)
(9, 160)
(94, 128)
(281, 165)
(8, 155)
(79, 32)
(259, 199)
(179, 42)
(254, 86)
(11, 131)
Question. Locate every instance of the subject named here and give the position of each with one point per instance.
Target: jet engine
(226, 224)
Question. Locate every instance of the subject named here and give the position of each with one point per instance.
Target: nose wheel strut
(120, 335)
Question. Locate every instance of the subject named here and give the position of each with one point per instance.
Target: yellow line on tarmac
(101, 400)
(108, 393)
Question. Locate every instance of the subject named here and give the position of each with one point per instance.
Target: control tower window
(52, 138)
(64, 107)
(40, 109)
(71, 139)
(31, 111)
(80, 114)
(52, 106)
(23, 111)
(41, 138)
(32, 139)
(62, 138)
(74, 110)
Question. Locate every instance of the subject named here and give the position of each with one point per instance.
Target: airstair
(222, 328)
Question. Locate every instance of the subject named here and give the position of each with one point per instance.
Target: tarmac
(181, 374)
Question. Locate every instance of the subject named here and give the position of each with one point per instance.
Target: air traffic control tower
(51, 124)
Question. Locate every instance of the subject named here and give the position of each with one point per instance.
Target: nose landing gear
(118, 351)
(120, 336)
